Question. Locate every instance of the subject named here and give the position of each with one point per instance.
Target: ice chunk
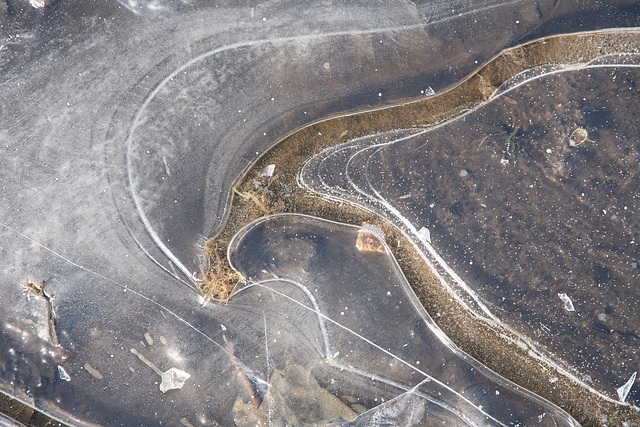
(174, 378)
(623, 391)
(268, 170)
(63, 374)
(568, 305)
(425, 234)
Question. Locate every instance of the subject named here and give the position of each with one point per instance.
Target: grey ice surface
(122, 128)
(540, 230)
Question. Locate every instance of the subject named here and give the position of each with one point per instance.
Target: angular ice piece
(623, 391)
(568, 305)
(63, 374)
(268, 170)
(425, 234)
(174, 378)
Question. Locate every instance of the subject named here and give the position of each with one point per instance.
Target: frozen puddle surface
(125, 125)
(338, 325)
(529, 206)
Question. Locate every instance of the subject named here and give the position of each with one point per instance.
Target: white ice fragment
(463, 173)
(504, 161)
(430, 91)
(373, 228)
(623, 391)
(568, 305)
(268, 170)
(174, 378)
(63, 374)
(425, 234)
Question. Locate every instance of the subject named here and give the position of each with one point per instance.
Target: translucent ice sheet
(357, 329)
(124, 124)
(529, 207)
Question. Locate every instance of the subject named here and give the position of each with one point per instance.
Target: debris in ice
(290, 389)
(463, 173)
(172, 379)
(93, 371)
(166, 165)
(504, 161)
(148, 338)
(568, 305)
(429, 91)
(268, 170)
(369, 242)
(623, 391)
(578, 137)
(425, 234)
(63, 374)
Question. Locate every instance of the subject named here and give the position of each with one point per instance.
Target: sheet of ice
(540, 232)
(123, 126)
(373, 340)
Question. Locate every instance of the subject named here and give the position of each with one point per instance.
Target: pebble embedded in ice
(623, 391)
(568, 304)
(463, 173)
